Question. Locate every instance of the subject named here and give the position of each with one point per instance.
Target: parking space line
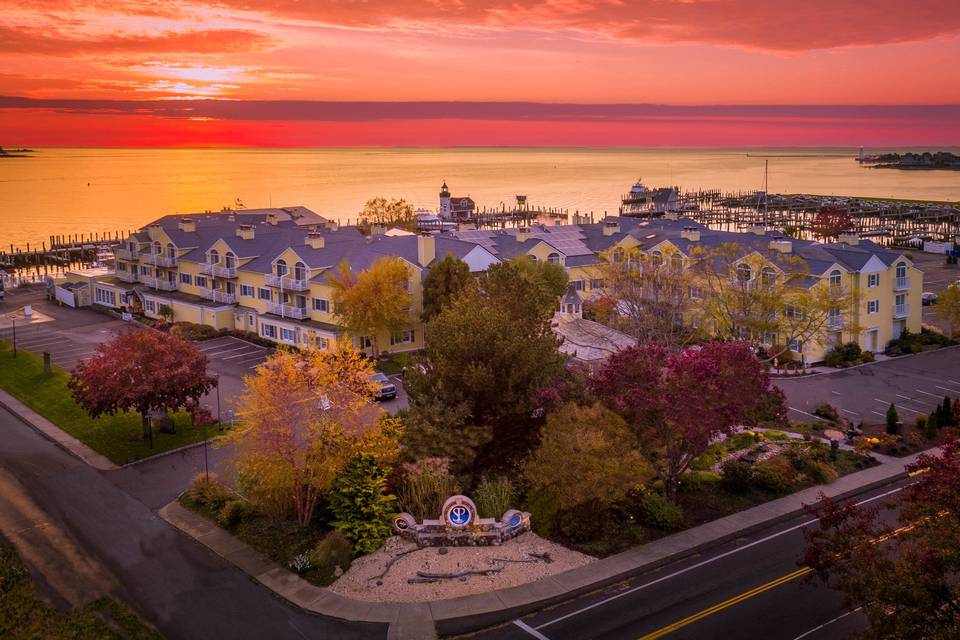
(239, 355)
(807, 414)
(215, 344)
(250, 359)
(27, 344)
(948, 389)
(902, 406)
(217, 353)
(853, 413)
(877, 412)
(932, 395)
(900, 395)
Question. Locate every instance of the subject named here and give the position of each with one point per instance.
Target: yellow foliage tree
(375, 300)
(947, 308)
(304, 415)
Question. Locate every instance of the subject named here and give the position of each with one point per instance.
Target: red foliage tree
(678, 401)
(141, 371)
(904, 579)
(831, 221)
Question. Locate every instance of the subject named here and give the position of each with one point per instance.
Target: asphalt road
(915, 384)
(172, 581)
(749, 589)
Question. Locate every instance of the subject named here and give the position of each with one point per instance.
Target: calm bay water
(65, 191)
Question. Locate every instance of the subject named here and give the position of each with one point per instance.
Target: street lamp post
(219, 423)
(14, 320)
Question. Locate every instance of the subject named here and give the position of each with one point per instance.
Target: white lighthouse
(445, 210)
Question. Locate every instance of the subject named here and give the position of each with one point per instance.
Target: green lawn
(117, 437)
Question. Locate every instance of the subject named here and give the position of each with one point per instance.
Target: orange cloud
(46, 42)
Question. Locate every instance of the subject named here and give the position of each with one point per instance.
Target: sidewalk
(56, 434)
(470, 613)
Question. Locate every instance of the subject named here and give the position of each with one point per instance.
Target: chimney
(466, 226)
(245, 231)
(315, 240)
(426, 249)
(611, 227)
(782, 245)
(852, 239)
(523, 234)
(187, 225)
(690, 233)
(759, 229)
(377, 229)
(671, 215)
(272, 218)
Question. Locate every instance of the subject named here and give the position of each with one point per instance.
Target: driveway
(915, 384)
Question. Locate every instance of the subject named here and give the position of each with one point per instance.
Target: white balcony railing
(288, 283)
(901, 310)
(287, 311)
(835, 322)
(159, 283)
(218, 270)
(125, 254)
(148, 258)
(902, 283)
(166, 261)
(219, 295)
(126, 276)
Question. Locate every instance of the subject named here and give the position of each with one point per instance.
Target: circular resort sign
(458, 511)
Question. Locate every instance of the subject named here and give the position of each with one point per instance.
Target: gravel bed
(361, 581)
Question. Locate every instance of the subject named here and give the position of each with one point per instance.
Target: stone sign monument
(460, 524)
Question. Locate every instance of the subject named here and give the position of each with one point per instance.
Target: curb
(903, 356)
(471, 613)
(55, 434)
(162, 454)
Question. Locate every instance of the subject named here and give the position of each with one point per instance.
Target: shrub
(191, 331)
(333, 551)
(698, 480)
(425, 485)
(775, 474)
(915, 440)
(844, 355)
(889, 443)
(494, 497)
(867, 356)
(360, 505)
(233, 512)
(892, 419)
(736, 475)
(826, 411)
(207, 493)
(923, 425)
(820, 472)
(659, 513)
(544, 511)
(773, 434)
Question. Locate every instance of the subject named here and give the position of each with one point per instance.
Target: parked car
(386, 390)
(927, 298)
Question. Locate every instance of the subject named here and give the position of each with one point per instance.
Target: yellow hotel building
(265, 270)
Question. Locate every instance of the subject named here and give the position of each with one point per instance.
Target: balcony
(218, 270)
(902, 283)
(287, 311)
(287, 283)
(218, 295)
(125, 254)
(159, 283)
(166, 261)
(126, 276)
(901, 311)
(835, 323)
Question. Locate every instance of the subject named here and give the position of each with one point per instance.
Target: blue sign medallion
(459, 515)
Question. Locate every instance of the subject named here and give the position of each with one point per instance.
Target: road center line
(703, 563)
(773, 584)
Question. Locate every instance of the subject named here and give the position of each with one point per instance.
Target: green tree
(549, 277)
(374, 301)
(489, 351)
(586, 455)
(892, 419)
(445, 279)
(360, 504)
(947, 308)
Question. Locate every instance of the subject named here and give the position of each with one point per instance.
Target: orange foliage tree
(304, 415)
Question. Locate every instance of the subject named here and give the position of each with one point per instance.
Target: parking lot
(937, 276)
(915, 384)
(239, 356)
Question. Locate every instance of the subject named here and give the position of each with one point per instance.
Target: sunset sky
(425, 72)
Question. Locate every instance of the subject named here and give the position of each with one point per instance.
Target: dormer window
(901, 270)
(676, 263)
(214, 256)
(281, 267)
(657, 259)
(229, 260)
(171, 250)
(554, 258)
(836, 278)
(744, 272)
(157, 248)
(768, 277)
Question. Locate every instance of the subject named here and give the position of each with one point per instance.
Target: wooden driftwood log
(389, 564)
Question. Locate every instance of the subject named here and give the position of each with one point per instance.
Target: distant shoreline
(15, 153)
